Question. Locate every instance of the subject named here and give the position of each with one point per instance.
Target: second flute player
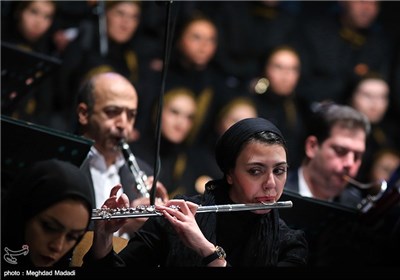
(252, 155)
(107, 108)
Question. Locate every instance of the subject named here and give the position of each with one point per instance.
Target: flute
(140, 176)
(144, 211)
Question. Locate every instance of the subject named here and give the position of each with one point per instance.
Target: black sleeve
(293, 249)
(110, 260)
(149, 246)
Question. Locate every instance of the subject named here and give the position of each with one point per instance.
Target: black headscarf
(230, 143)
(40, 186)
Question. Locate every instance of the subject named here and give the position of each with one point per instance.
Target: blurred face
(361, 14)
(177, 118)
(339, 154)
(55, 231)
(199, 42)
(122, 21)
(282, 71)
(259, 175)
(384, 166)
(238, 112)
(113, 115)
(36, 19)
(372, 98)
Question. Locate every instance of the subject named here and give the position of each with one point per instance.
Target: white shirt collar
(98, 161)
(304, 190)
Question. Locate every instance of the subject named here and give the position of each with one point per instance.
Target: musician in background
(334, 146)
(177, 118)
(107, 107)
(252, 156)
(30, 29)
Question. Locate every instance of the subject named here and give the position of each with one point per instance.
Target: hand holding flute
(161, 198)
(104, 230)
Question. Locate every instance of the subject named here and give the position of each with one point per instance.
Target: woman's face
(360, 14)
(283, 71)
(236, 113)
(259, 175)
(384, 166)
(36, 19)
(177, 118)
(122, 21)
(371, 97)
(55, 231)
(199, 42)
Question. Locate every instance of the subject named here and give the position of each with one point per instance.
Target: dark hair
(188, 20)
(267, 137)
(86, 94)
(371, 75)
(111, 4)
(279, 49)
(326, 115)
(23, 5)
(232, 103)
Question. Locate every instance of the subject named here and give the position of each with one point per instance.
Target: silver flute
(144, 211)
(140, 176)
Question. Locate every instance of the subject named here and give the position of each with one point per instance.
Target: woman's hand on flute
(182, 218)
(104, 229)
(134, 225)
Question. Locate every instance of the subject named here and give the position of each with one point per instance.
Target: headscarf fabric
(230, 143)
(39, 187)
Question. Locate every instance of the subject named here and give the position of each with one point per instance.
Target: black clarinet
(138, 174)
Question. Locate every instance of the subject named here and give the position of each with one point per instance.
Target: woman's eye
(73, 237)
(48, 227)
(280, 170)
(254, 171)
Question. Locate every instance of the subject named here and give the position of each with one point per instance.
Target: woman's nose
(269, 181)
(57, 243)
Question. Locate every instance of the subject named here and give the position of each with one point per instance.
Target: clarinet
(139, 175)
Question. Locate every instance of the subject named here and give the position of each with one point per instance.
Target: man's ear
(83, 113)
(229, 178)
(311, 146)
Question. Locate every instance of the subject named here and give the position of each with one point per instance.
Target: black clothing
(269, 242)
(285, 112)
(176, 172)
(41, 186)
(206, 84)
(36, 102)
(248, 31)
(333, 57)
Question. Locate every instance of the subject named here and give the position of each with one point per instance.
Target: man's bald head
(100, 84)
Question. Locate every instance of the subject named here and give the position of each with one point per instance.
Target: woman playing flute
(252, 155)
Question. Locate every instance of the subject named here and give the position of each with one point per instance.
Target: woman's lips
(48, 260)
(266, 199)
